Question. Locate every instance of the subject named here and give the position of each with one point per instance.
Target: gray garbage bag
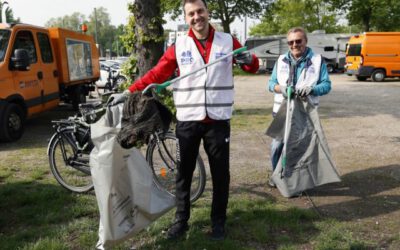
(308, 159)
(127, 196)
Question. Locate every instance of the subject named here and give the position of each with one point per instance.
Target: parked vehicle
(110, 76)
(374, 55)
(332, 47)
(39, 67)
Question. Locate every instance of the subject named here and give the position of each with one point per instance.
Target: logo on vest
(186, 57)
(219, 55)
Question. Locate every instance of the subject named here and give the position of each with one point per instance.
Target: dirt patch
(361, 121)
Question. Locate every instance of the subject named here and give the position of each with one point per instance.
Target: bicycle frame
(75, 161)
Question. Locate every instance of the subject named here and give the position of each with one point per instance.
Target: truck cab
(30, 77)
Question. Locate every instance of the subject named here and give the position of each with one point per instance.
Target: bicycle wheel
(162, 160)
(70, 165)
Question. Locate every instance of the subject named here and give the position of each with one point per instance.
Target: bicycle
(70, 146)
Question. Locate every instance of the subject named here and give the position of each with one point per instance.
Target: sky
(38, 12)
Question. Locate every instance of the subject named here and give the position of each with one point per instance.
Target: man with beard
(204, 103)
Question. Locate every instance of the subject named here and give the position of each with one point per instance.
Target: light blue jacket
(323, 85)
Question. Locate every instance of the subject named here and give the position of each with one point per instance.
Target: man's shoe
(177, 229)
(271, 183)
(218, 232)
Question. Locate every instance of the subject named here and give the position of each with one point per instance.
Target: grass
(237, 71)
(37, 213)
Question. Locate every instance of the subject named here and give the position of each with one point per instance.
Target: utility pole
(245, 29)
(95, 31)
(95, 25)
(117, 48)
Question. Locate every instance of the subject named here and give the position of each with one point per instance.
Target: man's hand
(305, 91)
(244, 58)
(118, 98)
(284, 92)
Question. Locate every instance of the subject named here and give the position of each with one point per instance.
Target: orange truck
(374, 55)
(39, 68)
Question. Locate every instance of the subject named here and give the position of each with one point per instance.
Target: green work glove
(243, 58)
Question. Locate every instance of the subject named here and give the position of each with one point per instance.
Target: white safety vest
(308, 77)
(209, 91)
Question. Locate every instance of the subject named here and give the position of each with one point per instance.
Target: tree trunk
(367, 19)
(225, 24)
(149, 32)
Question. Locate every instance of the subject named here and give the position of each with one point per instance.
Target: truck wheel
(361, 78)
(378, 75)
(12, 123)
(78, 97)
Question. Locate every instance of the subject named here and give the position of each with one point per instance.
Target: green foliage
(370, 15)
(141, 35)
(9, 14)
(128, 38)
(223, 10)
(129, 68)
(167, 98)
(72, 22)
(99, 26)
(282, 15)
(376, 15)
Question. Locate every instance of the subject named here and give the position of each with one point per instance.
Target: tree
(118, 44)
(224, 10)
(72, 22)
(312, 15)
(9, 13)
(149, 40)
(99, 25)
(370, 15)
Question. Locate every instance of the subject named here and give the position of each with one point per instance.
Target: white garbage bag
(128, 198)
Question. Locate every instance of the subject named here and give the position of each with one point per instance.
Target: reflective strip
(220, 88)
(220, 105)
(202, 88)
(203, 104)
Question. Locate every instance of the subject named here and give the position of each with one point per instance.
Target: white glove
(118, 98)
(305, 91)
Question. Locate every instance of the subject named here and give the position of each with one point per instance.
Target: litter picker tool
(163, 85)
(289, 91)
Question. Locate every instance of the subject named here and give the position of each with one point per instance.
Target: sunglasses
(298, 41)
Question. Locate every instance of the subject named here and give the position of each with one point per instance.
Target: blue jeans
(276, 151)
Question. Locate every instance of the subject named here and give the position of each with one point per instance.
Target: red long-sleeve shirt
(167, 64)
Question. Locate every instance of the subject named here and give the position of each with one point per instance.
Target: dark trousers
(216, 137)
